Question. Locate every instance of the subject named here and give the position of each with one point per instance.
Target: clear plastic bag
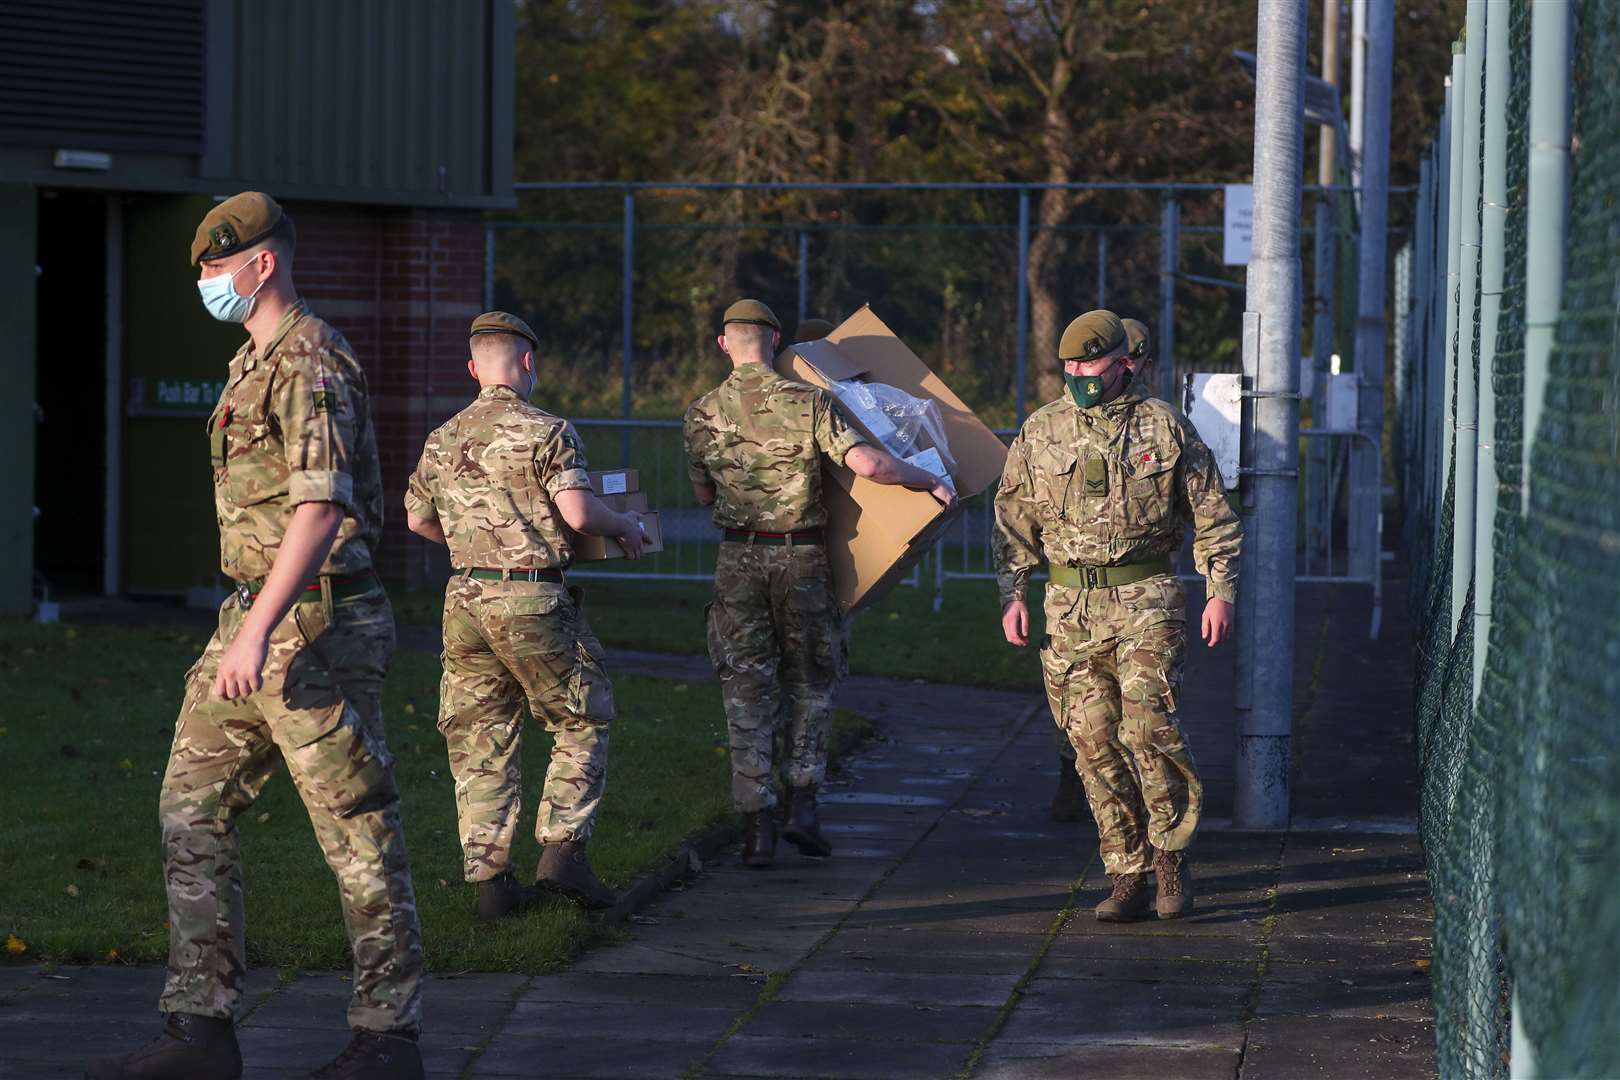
(907, 426)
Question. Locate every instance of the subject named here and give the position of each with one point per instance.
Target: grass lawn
(900, 637)
(86, 718)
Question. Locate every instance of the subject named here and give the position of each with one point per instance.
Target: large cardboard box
(621, 490)
(876, 532)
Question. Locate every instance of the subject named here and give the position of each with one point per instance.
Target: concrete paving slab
(1335, 1048)
(872, 1023)
(1183, 1013)
(898, 988)
(580, 988)
(605, 1021)
(272, 1048)
(837, 1059)
(1066, 1061)
(626, 1056)
(1368, 993)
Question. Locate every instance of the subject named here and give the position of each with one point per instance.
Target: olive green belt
(483, 573)
(341, 586)
(798, 538)
(1108, 577)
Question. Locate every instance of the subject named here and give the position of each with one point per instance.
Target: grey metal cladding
(381, 95)
(102, 74)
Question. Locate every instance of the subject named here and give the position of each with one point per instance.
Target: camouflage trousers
(507, 644)
(777, 643)
(1112, 662)
(319, 712)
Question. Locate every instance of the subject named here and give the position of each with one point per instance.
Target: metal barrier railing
(656, 449)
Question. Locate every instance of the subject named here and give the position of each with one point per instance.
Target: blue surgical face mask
(220, 297)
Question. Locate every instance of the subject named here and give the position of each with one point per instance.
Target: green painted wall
(170, 537)
(18, 207)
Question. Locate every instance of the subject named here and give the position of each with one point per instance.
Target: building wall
(17, 243)
(402, 286)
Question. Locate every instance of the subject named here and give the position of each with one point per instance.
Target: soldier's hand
(632, 536)
(943, 494)
(241, 669)
(1015, 623)
(1217, 621)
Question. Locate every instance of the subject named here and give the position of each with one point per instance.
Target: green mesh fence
(1521, 799)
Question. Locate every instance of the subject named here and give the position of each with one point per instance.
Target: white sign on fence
(1214, 404)
(1239, 224)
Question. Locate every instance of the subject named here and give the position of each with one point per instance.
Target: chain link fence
(1515, 563)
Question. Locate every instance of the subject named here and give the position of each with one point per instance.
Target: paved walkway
(951, 933)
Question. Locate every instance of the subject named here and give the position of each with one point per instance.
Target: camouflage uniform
(488, 476)
(774, 631)
(1110, 486)
(293, 426)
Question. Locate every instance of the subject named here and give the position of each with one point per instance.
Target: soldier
(292, 675)
(495, 484)
(1068, 802)
(1102, 484)
(754, 446)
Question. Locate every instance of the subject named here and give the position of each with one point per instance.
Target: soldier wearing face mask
(1102, 484)
(293, 675)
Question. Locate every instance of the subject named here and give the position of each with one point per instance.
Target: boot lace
(1126, 886)
(1169, 867)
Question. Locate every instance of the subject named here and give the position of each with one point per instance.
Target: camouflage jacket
(488, 476)
(757, 438)
(294, 426)
(1111, 485)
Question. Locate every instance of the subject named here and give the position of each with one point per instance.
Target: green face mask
(1088, 390)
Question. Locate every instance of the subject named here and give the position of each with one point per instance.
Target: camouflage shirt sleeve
(1016, 540)
(694, 433)
(1217, 531)
(562, 461)
(419, 489)
(834, 435)
(316, 413)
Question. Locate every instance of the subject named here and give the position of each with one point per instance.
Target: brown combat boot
(803, 827)
(1128, 900)
(373, 1055)
(501, 896)
(203, 1047)
(1175, 898)
(1069, 802)
(566, 871)
(759, 839)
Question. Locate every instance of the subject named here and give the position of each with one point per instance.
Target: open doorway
(70, 397)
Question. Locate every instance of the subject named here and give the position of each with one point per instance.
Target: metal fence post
(1021, 360)
(1462, 520)
(627, 330)
(1102, 269)
(1367, 474)
(804, 276)
(1454, 215)
(1169, 263)
(1271, 325)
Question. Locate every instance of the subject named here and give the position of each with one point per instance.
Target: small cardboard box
(876, 532)
(621, 490)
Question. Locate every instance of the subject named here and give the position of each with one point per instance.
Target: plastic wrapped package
(908, 427)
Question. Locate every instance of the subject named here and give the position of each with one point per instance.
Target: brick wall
(402, 286)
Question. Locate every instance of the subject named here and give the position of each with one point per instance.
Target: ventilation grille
(102, 74)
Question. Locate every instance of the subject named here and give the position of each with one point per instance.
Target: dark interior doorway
(70, 396)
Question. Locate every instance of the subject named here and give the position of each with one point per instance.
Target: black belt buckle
(244, 597)
(1091, 577)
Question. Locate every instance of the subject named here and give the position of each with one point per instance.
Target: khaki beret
(499, 322)
(1137, 344)
(750, 311)
(812, 330)
(237, 223)
(1094, 334)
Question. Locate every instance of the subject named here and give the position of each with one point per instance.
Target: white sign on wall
(1239, 224)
